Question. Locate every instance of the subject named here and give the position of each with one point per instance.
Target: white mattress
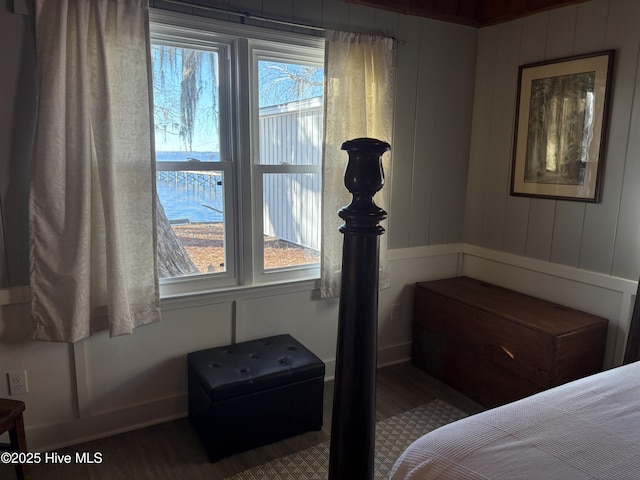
(587, 429)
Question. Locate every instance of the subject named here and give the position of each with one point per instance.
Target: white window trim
(169, 26)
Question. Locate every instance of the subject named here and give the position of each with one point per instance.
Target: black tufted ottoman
(253, 393)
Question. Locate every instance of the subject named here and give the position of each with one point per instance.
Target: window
(238, 115)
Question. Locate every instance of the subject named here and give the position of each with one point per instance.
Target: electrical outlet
(18, 382)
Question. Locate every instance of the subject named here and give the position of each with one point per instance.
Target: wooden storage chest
(495, 345)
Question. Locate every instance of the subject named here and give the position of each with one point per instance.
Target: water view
(190, 197)
(184, 203)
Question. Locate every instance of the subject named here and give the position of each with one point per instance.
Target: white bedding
(587, 429)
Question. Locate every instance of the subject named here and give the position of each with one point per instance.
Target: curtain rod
(245, 15)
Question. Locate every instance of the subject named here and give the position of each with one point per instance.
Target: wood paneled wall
(603, 237)
(432, 114)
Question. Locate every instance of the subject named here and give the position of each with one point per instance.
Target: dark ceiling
(478, 13)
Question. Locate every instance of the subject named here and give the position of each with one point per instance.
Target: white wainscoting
(603, 295)
(104, 386)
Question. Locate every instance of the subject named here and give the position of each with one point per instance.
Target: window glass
(290, 97)
(290, 129)
(187, 144)
(291, 219)
(193, 203)
(186, 99)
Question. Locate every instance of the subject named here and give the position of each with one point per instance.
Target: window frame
(240, 142)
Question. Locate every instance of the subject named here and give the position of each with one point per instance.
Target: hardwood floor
(172, 450)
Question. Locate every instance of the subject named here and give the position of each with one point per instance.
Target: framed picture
(561, 127)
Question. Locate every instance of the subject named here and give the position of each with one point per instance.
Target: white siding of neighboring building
(292, 134)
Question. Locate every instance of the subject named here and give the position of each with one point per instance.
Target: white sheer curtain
(92, 210)
(358, 103)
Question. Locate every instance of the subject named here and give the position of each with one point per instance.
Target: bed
(586, 429)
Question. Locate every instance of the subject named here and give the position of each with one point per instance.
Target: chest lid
(526, 310)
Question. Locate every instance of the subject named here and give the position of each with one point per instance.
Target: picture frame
(562, 115)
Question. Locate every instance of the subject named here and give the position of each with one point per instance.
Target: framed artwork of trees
(561, 126)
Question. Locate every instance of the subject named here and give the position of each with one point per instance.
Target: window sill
(22, 294)
(236, 292)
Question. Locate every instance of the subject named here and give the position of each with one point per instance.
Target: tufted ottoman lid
(253, 366)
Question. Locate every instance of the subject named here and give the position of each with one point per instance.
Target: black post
(354, 401)
(632, 350)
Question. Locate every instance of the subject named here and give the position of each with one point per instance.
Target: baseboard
(394, 354)
(80, 430)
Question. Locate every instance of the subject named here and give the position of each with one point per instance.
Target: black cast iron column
(354, 401)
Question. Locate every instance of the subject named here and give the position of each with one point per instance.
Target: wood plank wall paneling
(480, 133)
(335, 14)
(403, 147)
(546, 214)
(567, 26)
(460, 11)
(532, 45)
(602, 237)
(425, 139)
(440, 112)
(306, 13)
(602, 221)
(386, 23)
(591, 30)
(450, 150)
(501, 132)
(624, 36)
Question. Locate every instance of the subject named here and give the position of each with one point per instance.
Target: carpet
(393, 436)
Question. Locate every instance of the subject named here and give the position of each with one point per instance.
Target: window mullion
(243, 164)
